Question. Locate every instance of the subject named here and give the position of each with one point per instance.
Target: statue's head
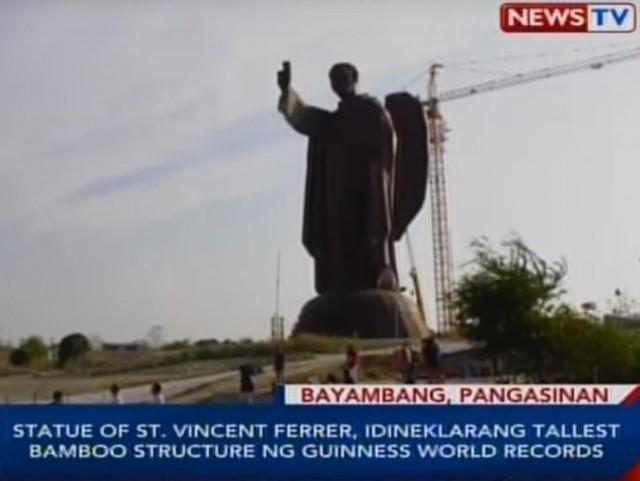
(344, 78)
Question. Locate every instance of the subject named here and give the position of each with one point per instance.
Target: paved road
(140, 394)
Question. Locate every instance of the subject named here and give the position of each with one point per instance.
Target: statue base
(371, 313)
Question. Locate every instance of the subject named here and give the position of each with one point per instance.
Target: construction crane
(413, 273)
(442, 258)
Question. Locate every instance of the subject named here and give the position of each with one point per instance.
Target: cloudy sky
(147, 179)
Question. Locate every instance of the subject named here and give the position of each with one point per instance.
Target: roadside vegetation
(513, 302)
(75, 355)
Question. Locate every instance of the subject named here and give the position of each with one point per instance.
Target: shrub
(35, 348)
(19, 357)
(176, 345)
(71, 347)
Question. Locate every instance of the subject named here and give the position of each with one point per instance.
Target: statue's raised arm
(305, 119)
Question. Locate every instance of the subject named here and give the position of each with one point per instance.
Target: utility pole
(277, 321)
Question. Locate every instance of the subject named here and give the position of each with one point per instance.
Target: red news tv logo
(568, 17)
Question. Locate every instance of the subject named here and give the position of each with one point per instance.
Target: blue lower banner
(306, 442)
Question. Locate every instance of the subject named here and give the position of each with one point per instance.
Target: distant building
(630, 322)
(135, 346)
(95, 342)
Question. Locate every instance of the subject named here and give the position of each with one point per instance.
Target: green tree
(511, 302)
(35, 348)
(71, 347)
(19, 357)
(505, 298)
(31, 349)
(570, 339)
(584, 350)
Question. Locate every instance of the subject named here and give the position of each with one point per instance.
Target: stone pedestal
(372, 313)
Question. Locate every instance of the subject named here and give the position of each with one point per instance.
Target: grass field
(97, 370)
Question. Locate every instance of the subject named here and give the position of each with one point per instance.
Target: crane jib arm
(592, 63)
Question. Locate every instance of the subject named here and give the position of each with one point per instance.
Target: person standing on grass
(156, 394)
(116, 396)
(246, 382)
(407, 364)
(278, 365)
(351, 366)
(431, 357)
(58, 397)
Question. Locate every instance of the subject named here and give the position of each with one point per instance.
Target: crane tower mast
(442, 258)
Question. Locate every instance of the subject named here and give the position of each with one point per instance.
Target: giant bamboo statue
(366, 181)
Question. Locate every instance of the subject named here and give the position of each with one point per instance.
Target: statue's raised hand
(284, 77)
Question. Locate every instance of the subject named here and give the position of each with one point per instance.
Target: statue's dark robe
(349, 214)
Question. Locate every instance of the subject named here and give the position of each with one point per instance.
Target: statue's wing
(412, 158)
